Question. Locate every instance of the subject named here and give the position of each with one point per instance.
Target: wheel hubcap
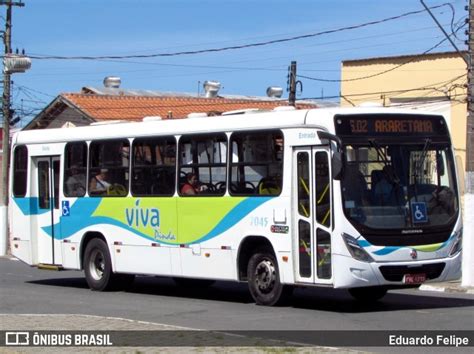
(265, 276)
(97, 264)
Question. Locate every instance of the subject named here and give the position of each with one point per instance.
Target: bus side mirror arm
(337, 160)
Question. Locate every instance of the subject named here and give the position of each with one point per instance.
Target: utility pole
(468, 237)
(7, 39)
(6, 121)
(470, 104)
(292, 84)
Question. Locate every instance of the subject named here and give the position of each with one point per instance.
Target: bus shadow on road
(219, 291)
(77, 283)
(165, 286)
(339, 300)
(320, 299)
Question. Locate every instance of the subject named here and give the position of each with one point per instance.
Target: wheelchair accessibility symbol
(419, 213)
(65, 208)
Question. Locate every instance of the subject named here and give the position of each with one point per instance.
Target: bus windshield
(388, 186)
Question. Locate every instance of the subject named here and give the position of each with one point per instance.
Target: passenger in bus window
(76, 183)
(192, 185)
(99, 183)
(384, 188)
(358, 193)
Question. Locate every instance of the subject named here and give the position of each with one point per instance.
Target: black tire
(194, 283)
(368, 294)
(264, 280)
(98, 266)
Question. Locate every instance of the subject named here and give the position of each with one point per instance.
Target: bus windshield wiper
(424, 153)
(383, 156)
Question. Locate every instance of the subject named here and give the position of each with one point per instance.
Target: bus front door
(312, 215)
(45, 187)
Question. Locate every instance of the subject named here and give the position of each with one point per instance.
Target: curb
(448, 288)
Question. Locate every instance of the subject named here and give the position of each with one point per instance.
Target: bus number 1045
(257, 221)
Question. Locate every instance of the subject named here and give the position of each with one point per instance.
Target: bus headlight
(355, 249)
(457, 246)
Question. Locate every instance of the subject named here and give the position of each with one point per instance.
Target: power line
(415, 57)
(250, 45)
(376, 74)
(398, 92)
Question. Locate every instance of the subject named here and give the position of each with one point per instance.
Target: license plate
(414, 278)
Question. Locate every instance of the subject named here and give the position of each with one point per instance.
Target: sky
(105, 28)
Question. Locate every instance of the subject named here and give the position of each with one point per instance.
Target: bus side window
(109, 168)
(153, 166)
(75, 168)
(20, 171)
(203, 158)
(257, 163)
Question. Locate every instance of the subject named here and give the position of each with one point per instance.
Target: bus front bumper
(351, 273)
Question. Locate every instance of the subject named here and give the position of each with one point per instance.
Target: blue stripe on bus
(87, 206)
(30, 206)
(240, 211)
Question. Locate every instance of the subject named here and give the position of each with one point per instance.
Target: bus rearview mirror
(337, 165)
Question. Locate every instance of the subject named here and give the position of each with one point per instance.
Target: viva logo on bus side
(140, 217)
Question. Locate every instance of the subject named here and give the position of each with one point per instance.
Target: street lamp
(12, 63)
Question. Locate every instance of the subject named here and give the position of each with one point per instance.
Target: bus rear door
(312, 215)
(45, 223)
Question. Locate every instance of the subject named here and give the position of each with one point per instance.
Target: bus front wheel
(264, 280)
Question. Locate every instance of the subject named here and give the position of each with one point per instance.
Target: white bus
(362, 198)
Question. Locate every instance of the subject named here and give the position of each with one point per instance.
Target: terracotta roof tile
(105, 107)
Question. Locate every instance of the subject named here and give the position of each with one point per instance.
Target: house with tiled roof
(113, 103)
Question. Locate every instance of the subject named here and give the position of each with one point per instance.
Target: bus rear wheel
(98, 268)
(368, 294)
(264, 280)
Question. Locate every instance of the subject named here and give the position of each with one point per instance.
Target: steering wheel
(220, 187)
(250, 185)
(242, 188)
(209, 187)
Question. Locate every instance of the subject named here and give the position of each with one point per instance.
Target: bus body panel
(200, 237)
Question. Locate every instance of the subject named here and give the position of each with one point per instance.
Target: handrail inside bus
(328, 136)
(337, 160)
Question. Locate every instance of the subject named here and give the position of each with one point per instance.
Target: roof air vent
(284, 108)
(274, 92)
(112, 82)
(211, 88)
(197, 115)
(152, 119)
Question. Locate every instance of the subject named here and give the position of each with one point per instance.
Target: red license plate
(414, 278)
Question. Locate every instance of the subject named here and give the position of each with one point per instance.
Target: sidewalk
(448, 287)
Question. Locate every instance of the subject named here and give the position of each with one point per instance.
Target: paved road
(227, 306)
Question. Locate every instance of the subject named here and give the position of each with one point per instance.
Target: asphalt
(74, 322)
